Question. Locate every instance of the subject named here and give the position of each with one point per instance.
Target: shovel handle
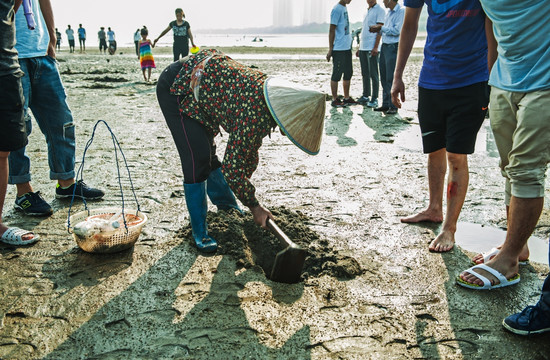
(283, 238)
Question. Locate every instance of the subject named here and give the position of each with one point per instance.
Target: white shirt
(392, 25)
(375, 15)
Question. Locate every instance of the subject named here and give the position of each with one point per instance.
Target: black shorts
(341, 64)
(13, 135)
(451, 118)
(102, 44)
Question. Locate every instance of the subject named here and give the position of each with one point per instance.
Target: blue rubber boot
(195, 198)
(219, 192)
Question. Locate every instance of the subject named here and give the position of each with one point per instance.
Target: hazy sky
(125, 16)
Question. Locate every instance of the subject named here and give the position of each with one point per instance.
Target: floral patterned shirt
(229, 95)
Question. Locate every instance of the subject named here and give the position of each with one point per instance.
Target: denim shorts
(13, 135)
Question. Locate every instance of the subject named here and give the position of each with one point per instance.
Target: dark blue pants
(544, 302)
(388, 57)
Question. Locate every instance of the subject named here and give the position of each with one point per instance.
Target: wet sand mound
(250, 245)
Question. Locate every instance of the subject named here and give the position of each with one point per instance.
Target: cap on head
(299, 112)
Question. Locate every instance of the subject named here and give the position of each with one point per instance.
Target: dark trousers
(369, 71)
(180, 48)
(194, 142)
(544, 302)
(388, 57)
(136, 43)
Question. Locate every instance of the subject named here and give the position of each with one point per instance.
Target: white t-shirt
(375, 15)
(339, 17)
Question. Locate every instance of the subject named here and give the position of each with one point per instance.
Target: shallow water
(478, 238)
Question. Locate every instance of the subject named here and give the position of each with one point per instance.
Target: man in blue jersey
(520, 99)
(452, 101)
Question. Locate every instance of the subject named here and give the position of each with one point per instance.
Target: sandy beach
(370, 289)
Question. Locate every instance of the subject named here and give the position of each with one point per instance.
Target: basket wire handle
(80, 171)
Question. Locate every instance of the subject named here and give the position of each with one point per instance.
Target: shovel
(289, 261)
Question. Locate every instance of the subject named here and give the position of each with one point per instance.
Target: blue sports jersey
(455, 54)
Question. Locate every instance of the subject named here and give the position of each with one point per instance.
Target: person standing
(112, 41)
(388, 55)
(368, 54)
(146, 60)
(520, 99)
(137, 38)
(70, 38)
(45, 96)
(102, 40)
(182, 35)
(13, 135)
(82, 38)
(339, 49)
(453, 96)
(57, 40)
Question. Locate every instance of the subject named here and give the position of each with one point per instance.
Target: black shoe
(82, 191)
(33, 204)
(391, 111)
(350, 101)
(337, 103)
(382, 108)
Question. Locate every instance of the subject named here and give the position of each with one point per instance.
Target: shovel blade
(288, 265)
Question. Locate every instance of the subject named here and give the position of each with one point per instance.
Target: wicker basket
(111, 241)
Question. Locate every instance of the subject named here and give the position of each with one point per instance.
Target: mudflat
(370, 289)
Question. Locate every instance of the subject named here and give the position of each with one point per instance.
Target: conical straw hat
(298, 111)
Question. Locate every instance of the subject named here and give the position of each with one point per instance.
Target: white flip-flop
(14, 236)
(492, 253)
(503, 281)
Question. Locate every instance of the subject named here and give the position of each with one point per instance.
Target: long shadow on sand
(163, 315)
(338, 124)
(475, 317)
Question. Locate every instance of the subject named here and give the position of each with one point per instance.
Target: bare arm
(406, 42)
(491, 44)
(374, 51)
(331, 37)
(162, 34)
(47, 12)
(190, 34)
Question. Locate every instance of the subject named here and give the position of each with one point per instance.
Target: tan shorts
(521, 125)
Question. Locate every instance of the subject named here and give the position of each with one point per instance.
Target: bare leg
(149, 74)
(144, 77)
(437, 166)
(523, 217)
(346, 84)
(334, 89)
(4, 171)
(457, 186)
(523, 256)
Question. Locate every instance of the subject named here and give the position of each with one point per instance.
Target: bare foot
(523, 256)
(424, 216)
(25, 237)
(443, 242)
(508, 271)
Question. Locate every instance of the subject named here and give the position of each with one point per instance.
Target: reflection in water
(338, 125)
(385, 127)
(481, 239)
